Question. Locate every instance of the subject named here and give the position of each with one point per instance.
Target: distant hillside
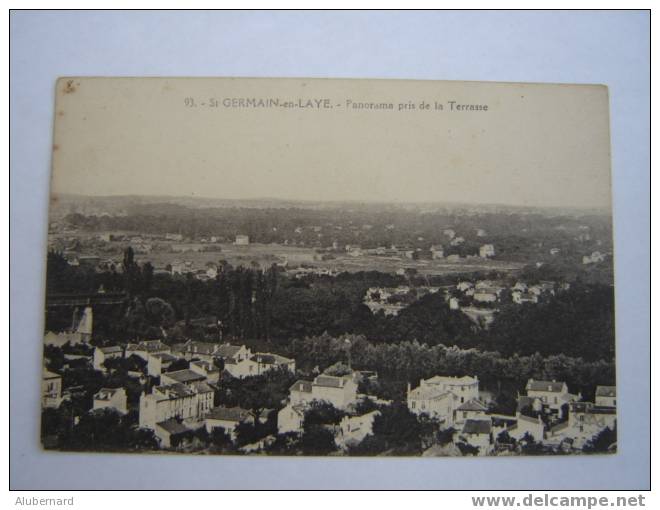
(121, 205)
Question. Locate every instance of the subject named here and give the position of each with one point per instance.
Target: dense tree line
(244, 304)
(405, 362)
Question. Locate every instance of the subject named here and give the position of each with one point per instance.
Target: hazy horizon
(157, 198)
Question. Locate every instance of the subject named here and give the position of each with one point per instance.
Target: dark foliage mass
(250, 304)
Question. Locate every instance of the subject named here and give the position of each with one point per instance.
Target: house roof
(472, 405)
(148, 345)
(228, 351)
(205, 365)
(184, 376)
(550, 386)
(110, 349)
(590, 407)
(235, 414)
(50, 375)
(165, 356)
(303, 386)
(476, 427)
(606, 391)
(428, 393)
(443, 379)
(268, 358)
(202, 387)
(528, 419)
(329, 381)
(172, 426)
(173, 391)
(106, 393)
(206, 348)
(559, 427)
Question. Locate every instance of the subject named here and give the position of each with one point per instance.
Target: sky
(534, 145)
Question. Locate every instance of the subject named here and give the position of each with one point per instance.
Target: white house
(437, 252)
(196, 350)
(483, 296)
(552, 394)
(594, 258)
(111, 398)
(585, 420)
(206, 369)
(186, 402)
(606, 396)
(242, 240)
(186, 376)
(524, 297)
(486, 251)
(258, 364)
(158, 362)
(465, 387)
(103, 353)
(527, 425)
(300, 393)
(227, 418)
(440, 396)
(165, 430)
(353, 429)
(433, 401)
(519, 287)
(146, 347)
(477, 433)
(291, 419)
(341, 392)
(470, 410)
(51, 389)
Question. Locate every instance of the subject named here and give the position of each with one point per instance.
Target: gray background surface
(611, 48)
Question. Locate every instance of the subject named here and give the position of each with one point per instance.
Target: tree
(322, 413)
(318, 440)
(602, 442)
(220, 439)
(529, 445)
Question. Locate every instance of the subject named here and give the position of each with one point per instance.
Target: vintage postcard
(329, 267)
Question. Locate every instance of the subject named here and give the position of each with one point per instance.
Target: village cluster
(478, 300)
(182, 400)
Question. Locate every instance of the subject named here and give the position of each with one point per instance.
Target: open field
(267, 254)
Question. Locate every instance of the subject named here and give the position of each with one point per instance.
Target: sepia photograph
(329, 267)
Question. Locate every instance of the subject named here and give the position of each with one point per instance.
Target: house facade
(227, 418)
(552, 394)
(606, 396)
(187, 403)
(103, 353)
(340, 391)
(477, 433)
(258, 364)
(353, 429)
(111, 398)
(144, 348)
(156, 363)
(291, 418)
